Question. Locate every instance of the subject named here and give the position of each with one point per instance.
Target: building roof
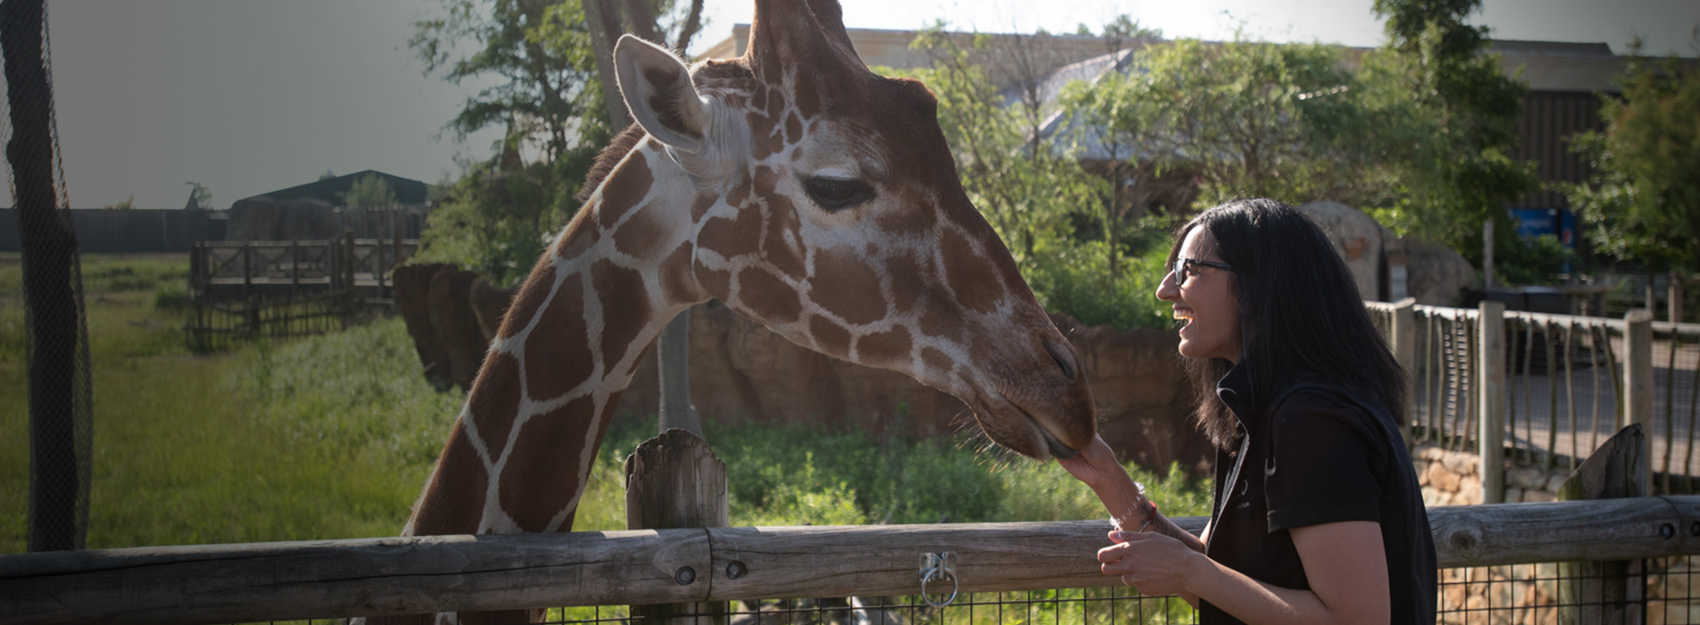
(407, 190)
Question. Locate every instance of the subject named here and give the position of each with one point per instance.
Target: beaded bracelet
(1150, 510)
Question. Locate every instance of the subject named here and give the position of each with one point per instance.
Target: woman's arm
(1096, 466)
(1345, 563)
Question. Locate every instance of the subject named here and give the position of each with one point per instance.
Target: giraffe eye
(836, 194)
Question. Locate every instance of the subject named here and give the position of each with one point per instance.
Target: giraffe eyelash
(836, 194)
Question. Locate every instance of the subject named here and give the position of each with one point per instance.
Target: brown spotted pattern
(911, 280)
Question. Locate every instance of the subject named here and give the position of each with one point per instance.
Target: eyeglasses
(1181, 268)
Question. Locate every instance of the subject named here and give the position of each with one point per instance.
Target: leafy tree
(1251, 118)
(200, 197)
(369, 190)
(1452, 162)
(1024, 184)
(1642, 203)
(539, 50)
(1031, 187)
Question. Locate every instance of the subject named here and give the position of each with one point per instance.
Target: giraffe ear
(657, 88)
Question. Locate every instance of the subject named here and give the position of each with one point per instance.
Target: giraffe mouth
(1051, 443)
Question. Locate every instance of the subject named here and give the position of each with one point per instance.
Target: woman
(1318, 516)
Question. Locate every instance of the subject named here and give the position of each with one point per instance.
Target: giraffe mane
(610, 156)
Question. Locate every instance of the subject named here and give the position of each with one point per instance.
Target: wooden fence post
(1673, 307)
(1638, 372)
(1404, 346)
(348, 267)
(1606, 592)
(1490, 398)
(675, 481)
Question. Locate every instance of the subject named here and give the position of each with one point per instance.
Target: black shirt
(1317, 453)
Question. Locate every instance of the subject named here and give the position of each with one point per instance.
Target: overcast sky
(251, 96)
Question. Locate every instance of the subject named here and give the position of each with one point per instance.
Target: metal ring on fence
(937, 567)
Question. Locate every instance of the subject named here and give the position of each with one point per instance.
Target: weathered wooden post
(675, 481)
(294, 268)
(247, 269)
(1673, 303)
(1490, 389)
(1638, 372)
(1404, 346)
(348, 277)
(1606, 592)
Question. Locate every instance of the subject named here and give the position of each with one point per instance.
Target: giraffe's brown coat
(942, 320)
(493, 404)
(558, 349)
(578, 238)
(936, 360)
(782, 252)
(793, 128)
(454, 500)
(976, 289)
(625, 308)
(768, 297)
(700, 206)
(547, 452)
(624, 189)
(831, 338)
(912, 217)
(907, 282)
(528, 302)
(677, 287)
(640, 237)
(887, 349)
(845, 285)
(718, 283)
(733, 238)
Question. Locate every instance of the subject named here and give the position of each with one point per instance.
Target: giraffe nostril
(1062, 356)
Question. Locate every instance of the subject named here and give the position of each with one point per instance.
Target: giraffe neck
(520, 453)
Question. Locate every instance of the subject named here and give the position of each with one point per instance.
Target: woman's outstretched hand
(1095, 465)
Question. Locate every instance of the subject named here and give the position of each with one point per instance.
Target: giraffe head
(828, 208)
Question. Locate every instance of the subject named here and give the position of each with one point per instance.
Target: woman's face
(1207, 301)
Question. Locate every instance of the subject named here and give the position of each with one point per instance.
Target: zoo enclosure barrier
(1558, 386)
(241, 290)
(709, 566)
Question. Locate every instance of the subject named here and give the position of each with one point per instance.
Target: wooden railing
(394, 576)
(1559, 386)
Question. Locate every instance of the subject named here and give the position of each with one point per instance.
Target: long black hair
(1300, 311)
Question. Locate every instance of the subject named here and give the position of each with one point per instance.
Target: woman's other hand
(1156, 564)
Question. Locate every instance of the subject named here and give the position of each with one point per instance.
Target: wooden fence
(241, 290)
(1558, 385)
(394, 576)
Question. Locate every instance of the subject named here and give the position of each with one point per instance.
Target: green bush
(801, 474)
(1075, 280)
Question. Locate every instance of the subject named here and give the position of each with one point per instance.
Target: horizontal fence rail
(396, 576)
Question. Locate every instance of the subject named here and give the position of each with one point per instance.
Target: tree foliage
(1250, 118)
(369, 190)
(1642, 203)
(1030, 187)
(1453, 164)
(537, 56)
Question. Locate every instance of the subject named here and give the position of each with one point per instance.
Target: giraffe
(804, 192)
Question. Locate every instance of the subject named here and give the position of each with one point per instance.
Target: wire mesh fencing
(1662, 591)
(56, 347)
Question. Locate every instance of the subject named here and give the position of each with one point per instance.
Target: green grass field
(332, 437)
